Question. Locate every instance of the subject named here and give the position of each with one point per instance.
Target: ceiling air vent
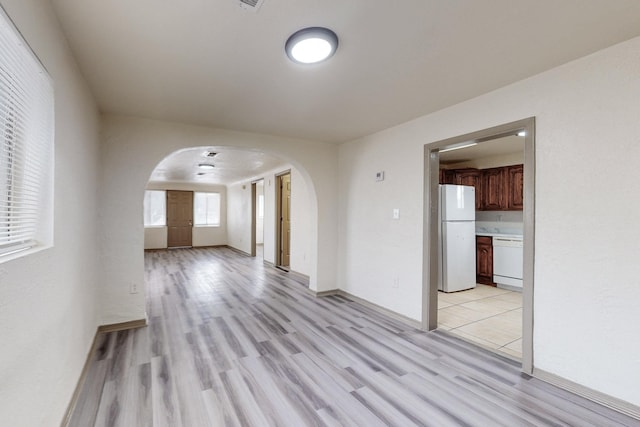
(253, 5)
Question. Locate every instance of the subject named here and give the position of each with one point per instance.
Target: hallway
(232, 342)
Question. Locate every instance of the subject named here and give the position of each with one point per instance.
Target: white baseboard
(300, 276)
(593, 395)
(239, 251)
(328, 293)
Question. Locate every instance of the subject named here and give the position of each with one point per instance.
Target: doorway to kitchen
(478, 285)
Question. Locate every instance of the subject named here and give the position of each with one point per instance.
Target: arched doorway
(133, 147)
(213, 192)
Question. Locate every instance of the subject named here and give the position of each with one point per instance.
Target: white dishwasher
(507, 261)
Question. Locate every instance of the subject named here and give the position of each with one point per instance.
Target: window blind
(26, 142)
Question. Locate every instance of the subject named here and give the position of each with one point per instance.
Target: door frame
(254, 212)
(254, 224)
(278, 239)
(430, 226)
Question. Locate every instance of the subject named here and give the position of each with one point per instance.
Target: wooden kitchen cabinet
(494, 189)
(484, 260)
(473, 178)
(497, 189)
(447, 176)
(515, 187)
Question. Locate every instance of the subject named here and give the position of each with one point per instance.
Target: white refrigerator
(457, 238)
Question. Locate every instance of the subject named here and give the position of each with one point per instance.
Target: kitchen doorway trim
(430, 226)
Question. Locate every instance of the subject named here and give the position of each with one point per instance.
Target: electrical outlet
(133, 288)
(396, 213)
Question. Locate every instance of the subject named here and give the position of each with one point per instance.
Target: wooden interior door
(285, 220)
(179, 218)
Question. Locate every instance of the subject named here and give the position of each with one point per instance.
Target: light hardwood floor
(231, 342)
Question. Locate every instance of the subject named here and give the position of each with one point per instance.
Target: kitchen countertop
(499, 229)
(498, 234)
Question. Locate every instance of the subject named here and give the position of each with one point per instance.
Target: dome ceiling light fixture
(206, 166)
(311, 45)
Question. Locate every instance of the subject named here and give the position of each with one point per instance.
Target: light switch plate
(396, 213)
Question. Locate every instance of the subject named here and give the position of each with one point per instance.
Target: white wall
(156, 237)
(239, 214)
(587, 274)
(270, 229)
(300, 224)
(259, 220)
(48, 299)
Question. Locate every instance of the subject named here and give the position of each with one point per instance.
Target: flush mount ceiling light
(311, 45)
(206, 166)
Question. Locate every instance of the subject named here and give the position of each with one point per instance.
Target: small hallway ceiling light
(311, 45)
(206, 166)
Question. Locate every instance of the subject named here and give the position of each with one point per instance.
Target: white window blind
(155, 208)
(26, 144)
(206, 208)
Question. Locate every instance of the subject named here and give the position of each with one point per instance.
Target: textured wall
(48, 299)
(587, 274)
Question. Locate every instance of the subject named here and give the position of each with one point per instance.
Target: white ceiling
(230, 166)
(209, 62)
(212, 63)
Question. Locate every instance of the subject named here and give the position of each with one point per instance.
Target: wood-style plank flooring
(232, 342)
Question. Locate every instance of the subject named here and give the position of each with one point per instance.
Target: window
(26, 145)
(206, 208)
(155, 208)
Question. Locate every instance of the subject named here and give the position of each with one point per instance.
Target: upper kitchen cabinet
(469, 176)
(515, 187)
(473, 178)
(447, 176)
(497, 189)
(494, 189)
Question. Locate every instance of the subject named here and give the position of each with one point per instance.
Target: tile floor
(491, 317)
